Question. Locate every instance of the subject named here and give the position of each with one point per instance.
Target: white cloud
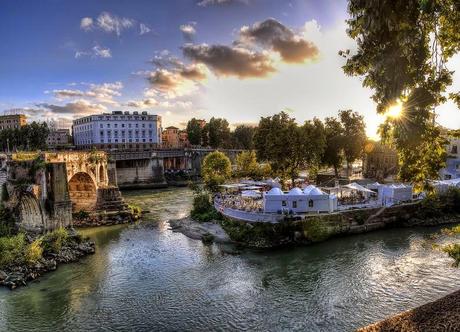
(188, 31)
(101, 52)
(86, 23)
(97, 51)
(112, 23)
(144, 29)
(101, 93)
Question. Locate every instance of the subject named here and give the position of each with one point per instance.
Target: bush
(52, 242)
(135, 210)
(203, 210)
(12, 250)
(453, 250)
(33, 252)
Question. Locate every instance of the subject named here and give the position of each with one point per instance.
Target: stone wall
(140, 171)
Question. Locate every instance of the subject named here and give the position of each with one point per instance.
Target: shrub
(135, 210)
(33, 252)
(12, 250)
(453, 250)
(203, 209)
(52, 242)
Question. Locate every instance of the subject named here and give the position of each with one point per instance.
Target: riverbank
(440, 315)
(320, 227)
(43, 254)
(205, 231)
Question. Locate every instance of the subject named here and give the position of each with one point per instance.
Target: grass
(15, 250)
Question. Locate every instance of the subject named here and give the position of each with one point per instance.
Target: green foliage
(215, 170)
(433, 204)
(333, 154)
(135, 210)
(38, 164)
(218, 132)
(29, 137)
(203, 210)
(453, 250)
(243, 137)
(403, 46)
(354, 135)
(80, 215)
(315, 230)
(287, 146)
(95, 157)
(33, 252)
(194, 131)
(12, 250)
(7, 222)
(52, 242)
(247, 166)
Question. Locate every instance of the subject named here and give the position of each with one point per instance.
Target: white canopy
(275, 191)
(308, 188)
(295, 191)
(315, 192)
(250, 194)
(358, 187)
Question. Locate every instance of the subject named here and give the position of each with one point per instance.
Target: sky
(237, 59)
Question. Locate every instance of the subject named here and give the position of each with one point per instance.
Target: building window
(310, 203)
(294, 204)
(283, 203)
(454, 149)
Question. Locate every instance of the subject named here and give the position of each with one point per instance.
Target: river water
(146, 278)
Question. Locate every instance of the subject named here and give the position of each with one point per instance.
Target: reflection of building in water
(380, 161)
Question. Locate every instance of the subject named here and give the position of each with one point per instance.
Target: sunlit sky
(237, 59)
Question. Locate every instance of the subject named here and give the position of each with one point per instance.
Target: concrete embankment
(316, 228)
(440, 315)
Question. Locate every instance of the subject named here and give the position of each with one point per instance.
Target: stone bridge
(144, 168)
(44, 189)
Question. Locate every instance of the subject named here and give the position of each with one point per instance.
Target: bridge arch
(30, 213)
(82, 192)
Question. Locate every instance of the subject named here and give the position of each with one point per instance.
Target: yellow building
(13, 121)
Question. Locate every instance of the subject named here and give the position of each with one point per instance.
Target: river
(146, 278)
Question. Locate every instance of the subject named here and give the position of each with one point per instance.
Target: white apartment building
(118, 130)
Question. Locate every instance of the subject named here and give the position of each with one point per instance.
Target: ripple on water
(147, 278)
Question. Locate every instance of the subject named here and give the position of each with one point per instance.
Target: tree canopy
(287, 146)
(243, 137)
(354, 136)
(194, 131)
(403, 48)
(218, 133)
(28, 137)
(216, 169)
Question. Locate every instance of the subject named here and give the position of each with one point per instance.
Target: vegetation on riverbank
(24, 257)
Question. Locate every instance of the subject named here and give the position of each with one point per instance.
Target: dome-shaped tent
(295, 191)
(275, 191)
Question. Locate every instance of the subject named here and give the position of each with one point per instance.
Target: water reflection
(144, 277)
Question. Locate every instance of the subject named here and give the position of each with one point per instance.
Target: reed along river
(147, 278)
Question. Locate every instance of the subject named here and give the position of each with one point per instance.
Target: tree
(215, 170)
(243, 137)
(354, 136)
(194, 131)
(333, 155)
(403, 48)
(287, 146)
(205, 135)
(29, 137)
(219, 133)
(246, 164)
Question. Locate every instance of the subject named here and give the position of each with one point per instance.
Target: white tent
(250, 194)
(358, 187)
(295, 191)
(275, 191)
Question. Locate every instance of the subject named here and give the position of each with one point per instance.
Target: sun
(395, 110)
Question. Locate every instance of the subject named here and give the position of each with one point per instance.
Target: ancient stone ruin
(44, 190)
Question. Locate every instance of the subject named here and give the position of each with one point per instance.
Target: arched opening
(101, 174)
(82, 192)
(30, 214)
